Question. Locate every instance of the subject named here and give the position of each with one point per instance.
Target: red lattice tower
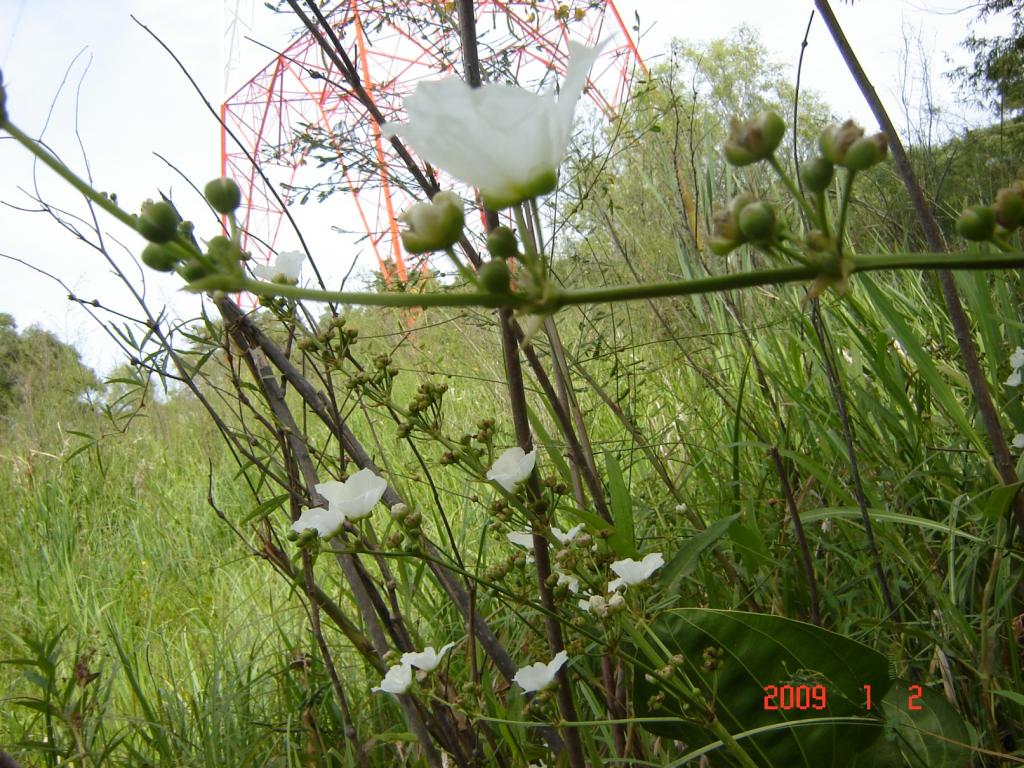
(294, 113)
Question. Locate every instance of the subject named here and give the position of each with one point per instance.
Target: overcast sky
(134, 102)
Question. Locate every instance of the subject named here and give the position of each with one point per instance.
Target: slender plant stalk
(839, 397)
(798, 528)
(517, 397)
(556, 298)
(361, 590)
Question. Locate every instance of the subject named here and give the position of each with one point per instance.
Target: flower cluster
(995, 222)
(350, 500)
(398, 678)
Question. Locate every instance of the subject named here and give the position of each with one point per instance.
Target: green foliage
(655, 426)
(31, 356)
(997, 72)
(762, 655)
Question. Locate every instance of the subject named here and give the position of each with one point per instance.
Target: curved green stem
(81, 185)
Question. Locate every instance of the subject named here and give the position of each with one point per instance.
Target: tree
(997, 73)
(36, 367)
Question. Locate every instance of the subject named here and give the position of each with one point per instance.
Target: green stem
(82, 186)
(844, 206)
(67, 174)
(558, 298)
(533, 261)
(823, 213)
(793, 190)
(466, 273)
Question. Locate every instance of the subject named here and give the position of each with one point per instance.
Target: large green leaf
(922, 730)
(760, 651)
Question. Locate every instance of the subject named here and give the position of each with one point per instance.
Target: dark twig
(805, 552)
(517, 396)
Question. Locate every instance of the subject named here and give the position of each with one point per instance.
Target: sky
(143, 128)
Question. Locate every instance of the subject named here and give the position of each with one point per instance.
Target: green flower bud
(158, 222)
(433, 226)
(754, 140)
(818, 241)
(816, 174)
(159, 257)
(866, 152)
(195, 270)
(501, 243)
(223, 251)
(836, 140)
(1009, 206)
(725, 227)
(757, 221)
(223, 194)
(495, 276)
(720, 242)
(977, 223)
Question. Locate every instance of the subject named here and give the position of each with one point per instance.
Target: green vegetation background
(114, 563)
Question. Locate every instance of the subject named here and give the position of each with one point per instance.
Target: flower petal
(396, 680)
(324, 521)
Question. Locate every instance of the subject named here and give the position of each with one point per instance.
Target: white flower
(288, 264)
(427, 659)
(1017, 358)
(513, 466)
(1014, 380)
(396, 680)
(324, 521)
(631, 572)
(572, 581)
(1018, 441)
(568, 536)
(596, 604)
(539, 676)
(506, 141)
(520, 539)
(354, 498)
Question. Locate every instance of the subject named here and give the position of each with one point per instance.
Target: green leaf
(748, 541)
(549, 445)
(685, 560)
(933, 736)
(761, 650)
(1016, 698)
(997, 507)
(623, 540)
(264, 509)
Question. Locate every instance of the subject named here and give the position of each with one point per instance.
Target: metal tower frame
(295, 111)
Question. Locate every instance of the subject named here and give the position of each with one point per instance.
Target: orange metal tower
(311, 137)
